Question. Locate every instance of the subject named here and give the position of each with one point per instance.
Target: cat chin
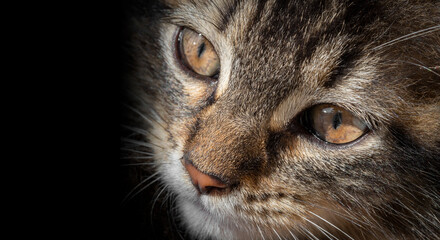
(208, 218)
(204, 224)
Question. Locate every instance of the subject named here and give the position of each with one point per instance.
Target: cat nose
(204, 183)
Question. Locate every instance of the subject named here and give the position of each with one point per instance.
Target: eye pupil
(196, 54)
(333, 124)
(201, 49)
(337, 120)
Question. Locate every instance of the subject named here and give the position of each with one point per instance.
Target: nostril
(209, 189)
(204, 183)
(208, 184)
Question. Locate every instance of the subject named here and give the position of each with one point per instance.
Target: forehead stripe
(226, 15)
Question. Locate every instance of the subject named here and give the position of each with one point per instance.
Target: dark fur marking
(227, 15)
(346, 61)
(264, 196)
(194, 131)
(258, 14)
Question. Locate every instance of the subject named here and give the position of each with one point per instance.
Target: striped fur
(378, 59)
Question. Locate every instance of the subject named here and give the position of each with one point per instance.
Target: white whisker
(143, 132)
(150, 121)
(140, 143)
(408, 36)
(348, 217)
(136, 164)
(261, 233)
(423, 67)
(331, 224)
(325, 232)
(161, 190)
(309, 234)
(293, 235)
(137, 151)
(143, 157)
(131, 194)
(276, 233)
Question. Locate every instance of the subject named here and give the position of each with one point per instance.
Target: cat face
(291, 119)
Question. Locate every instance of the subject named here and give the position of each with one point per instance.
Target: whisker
(143, 157)
(261, 233)
(136, 130)
(408, 36)
(150, 121)
(325, 232)
(291, 234)
(331, 224)
(348, 217)
(172, 213)
(162, 189)
(140, 143)
(137, 151)
(309, 234)
(423, 67)
(143, 132)
(142, 189)
(276, 233)
(136, 164)
(131, 194)
(415, 212)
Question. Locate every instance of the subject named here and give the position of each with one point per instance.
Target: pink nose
(204, 183)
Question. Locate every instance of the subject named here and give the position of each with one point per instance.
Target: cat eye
(334, 124)
(197, 54)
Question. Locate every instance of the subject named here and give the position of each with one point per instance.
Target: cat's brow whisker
(422, 67)
(408, 36)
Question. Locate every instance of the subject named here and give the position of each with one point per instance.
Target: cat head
(293, 118)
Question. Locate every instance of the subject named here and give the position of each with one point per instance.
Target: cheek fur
(279, 58)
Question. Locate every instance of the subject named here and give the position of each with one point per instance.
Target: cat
(286, 119)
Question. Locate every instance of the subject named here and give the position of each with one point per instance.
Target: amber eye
(197, 53)
(334, 124)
